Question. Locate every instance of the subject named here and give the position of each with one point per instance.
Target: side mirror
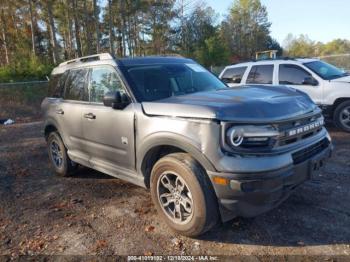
(310, 81)
(116, 100)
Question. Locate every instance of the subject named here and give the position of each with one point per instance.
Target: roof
(103, 58)
(83, 62)
(84, 59)
(271, 61)
(152, 60)
(307, 60)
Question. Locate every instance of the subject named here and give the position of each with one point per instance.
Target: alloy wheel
(56, 154)
(345, 117)
(175, 197)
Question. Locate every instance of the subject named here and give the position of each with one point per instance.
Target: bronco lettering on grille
(297, 131)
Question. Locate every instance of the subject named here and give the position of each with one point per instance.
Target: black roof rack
(269, 59)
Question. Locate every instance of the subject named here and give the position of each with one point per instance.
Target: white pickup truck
(327, 85)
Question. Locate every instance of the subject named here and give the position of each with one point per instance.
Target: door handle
(90, 116)
(59, 112)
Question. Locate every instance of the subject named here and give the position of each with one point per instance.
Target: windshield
(324, 70)
(158, 81)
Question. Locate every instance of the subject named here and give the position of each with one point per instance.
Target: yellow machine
(269, 54)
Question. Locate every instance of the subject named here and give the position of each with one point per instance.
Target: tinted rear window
(56, 85)
(76, 85)
(260, 74)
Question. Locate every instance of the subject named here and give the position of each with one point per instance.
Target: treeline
(303, 46)
(38, 34)
(336, 52)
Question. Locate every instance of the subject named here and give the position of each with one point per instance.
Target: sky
(321, 20)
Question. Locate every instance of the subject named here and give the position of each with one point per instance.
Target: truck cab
(327, 86)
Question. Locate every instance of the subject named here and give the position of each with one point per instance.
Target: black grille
(289, 140)
(307, 153)
(301, 122)
(287, 126)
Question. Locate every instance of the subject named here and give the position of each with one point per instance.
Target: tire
(342, 116)
(198, 211)
(64, 167)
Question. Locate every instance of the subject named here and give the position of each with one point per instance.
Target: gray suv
(206, 152)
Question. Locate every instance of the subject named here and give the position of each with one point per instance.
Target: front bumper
(251, 194)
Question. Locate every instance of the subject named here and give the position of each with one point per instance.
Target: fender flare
(54, 123)
(175, 140)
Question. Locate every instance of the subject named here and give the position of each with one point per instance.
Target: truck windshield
(158, 81)
(325, 70)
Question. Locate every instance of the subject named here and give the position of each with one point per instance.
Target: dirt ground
(93, 214)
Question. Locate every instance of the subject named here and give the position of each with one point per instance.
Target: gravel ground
(93, 214)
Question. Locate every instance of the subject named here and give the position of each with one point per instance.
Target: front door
(108, 133)
(295, 76)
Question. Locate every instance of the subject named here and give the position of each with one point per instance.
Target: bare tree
(87, 29)
(70, 30)
(97, 25)
(77, 27)
(52, 31)
(4, 38)
(111, 31)
(123, 26)
(32, 28)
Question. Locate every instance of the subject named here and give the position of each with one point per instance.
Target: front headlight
(250, 136)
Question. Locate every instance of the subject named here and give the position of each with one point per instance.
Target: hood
(345, 79)
(245, 103)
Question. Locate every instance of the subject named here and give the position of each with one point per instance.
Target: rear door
(69, 112)
(294, 76)
(261, 75)
(108, 133)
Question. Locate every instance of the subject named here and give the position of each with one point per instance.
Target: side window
(56, 84)
(75, 86)
(103, 80)
(260, 74)
(233, 75)
(292, 75)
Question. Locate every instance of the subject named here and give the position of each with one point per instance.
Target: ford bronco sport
(206, 152)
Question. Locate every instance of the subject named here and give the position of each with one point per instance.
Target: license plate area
(315, 167)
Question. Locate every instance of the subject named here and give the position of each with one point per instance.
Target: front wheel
(183, 195)
(59, 158)
(342, 116)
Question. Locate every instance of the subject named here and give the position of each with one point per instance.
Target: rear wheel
(59, 158)
(183, 195)
(342, 116)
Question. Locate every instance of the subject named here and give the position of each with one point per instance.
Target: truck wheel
(342, 116)
(183, 195)
(59, 159)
